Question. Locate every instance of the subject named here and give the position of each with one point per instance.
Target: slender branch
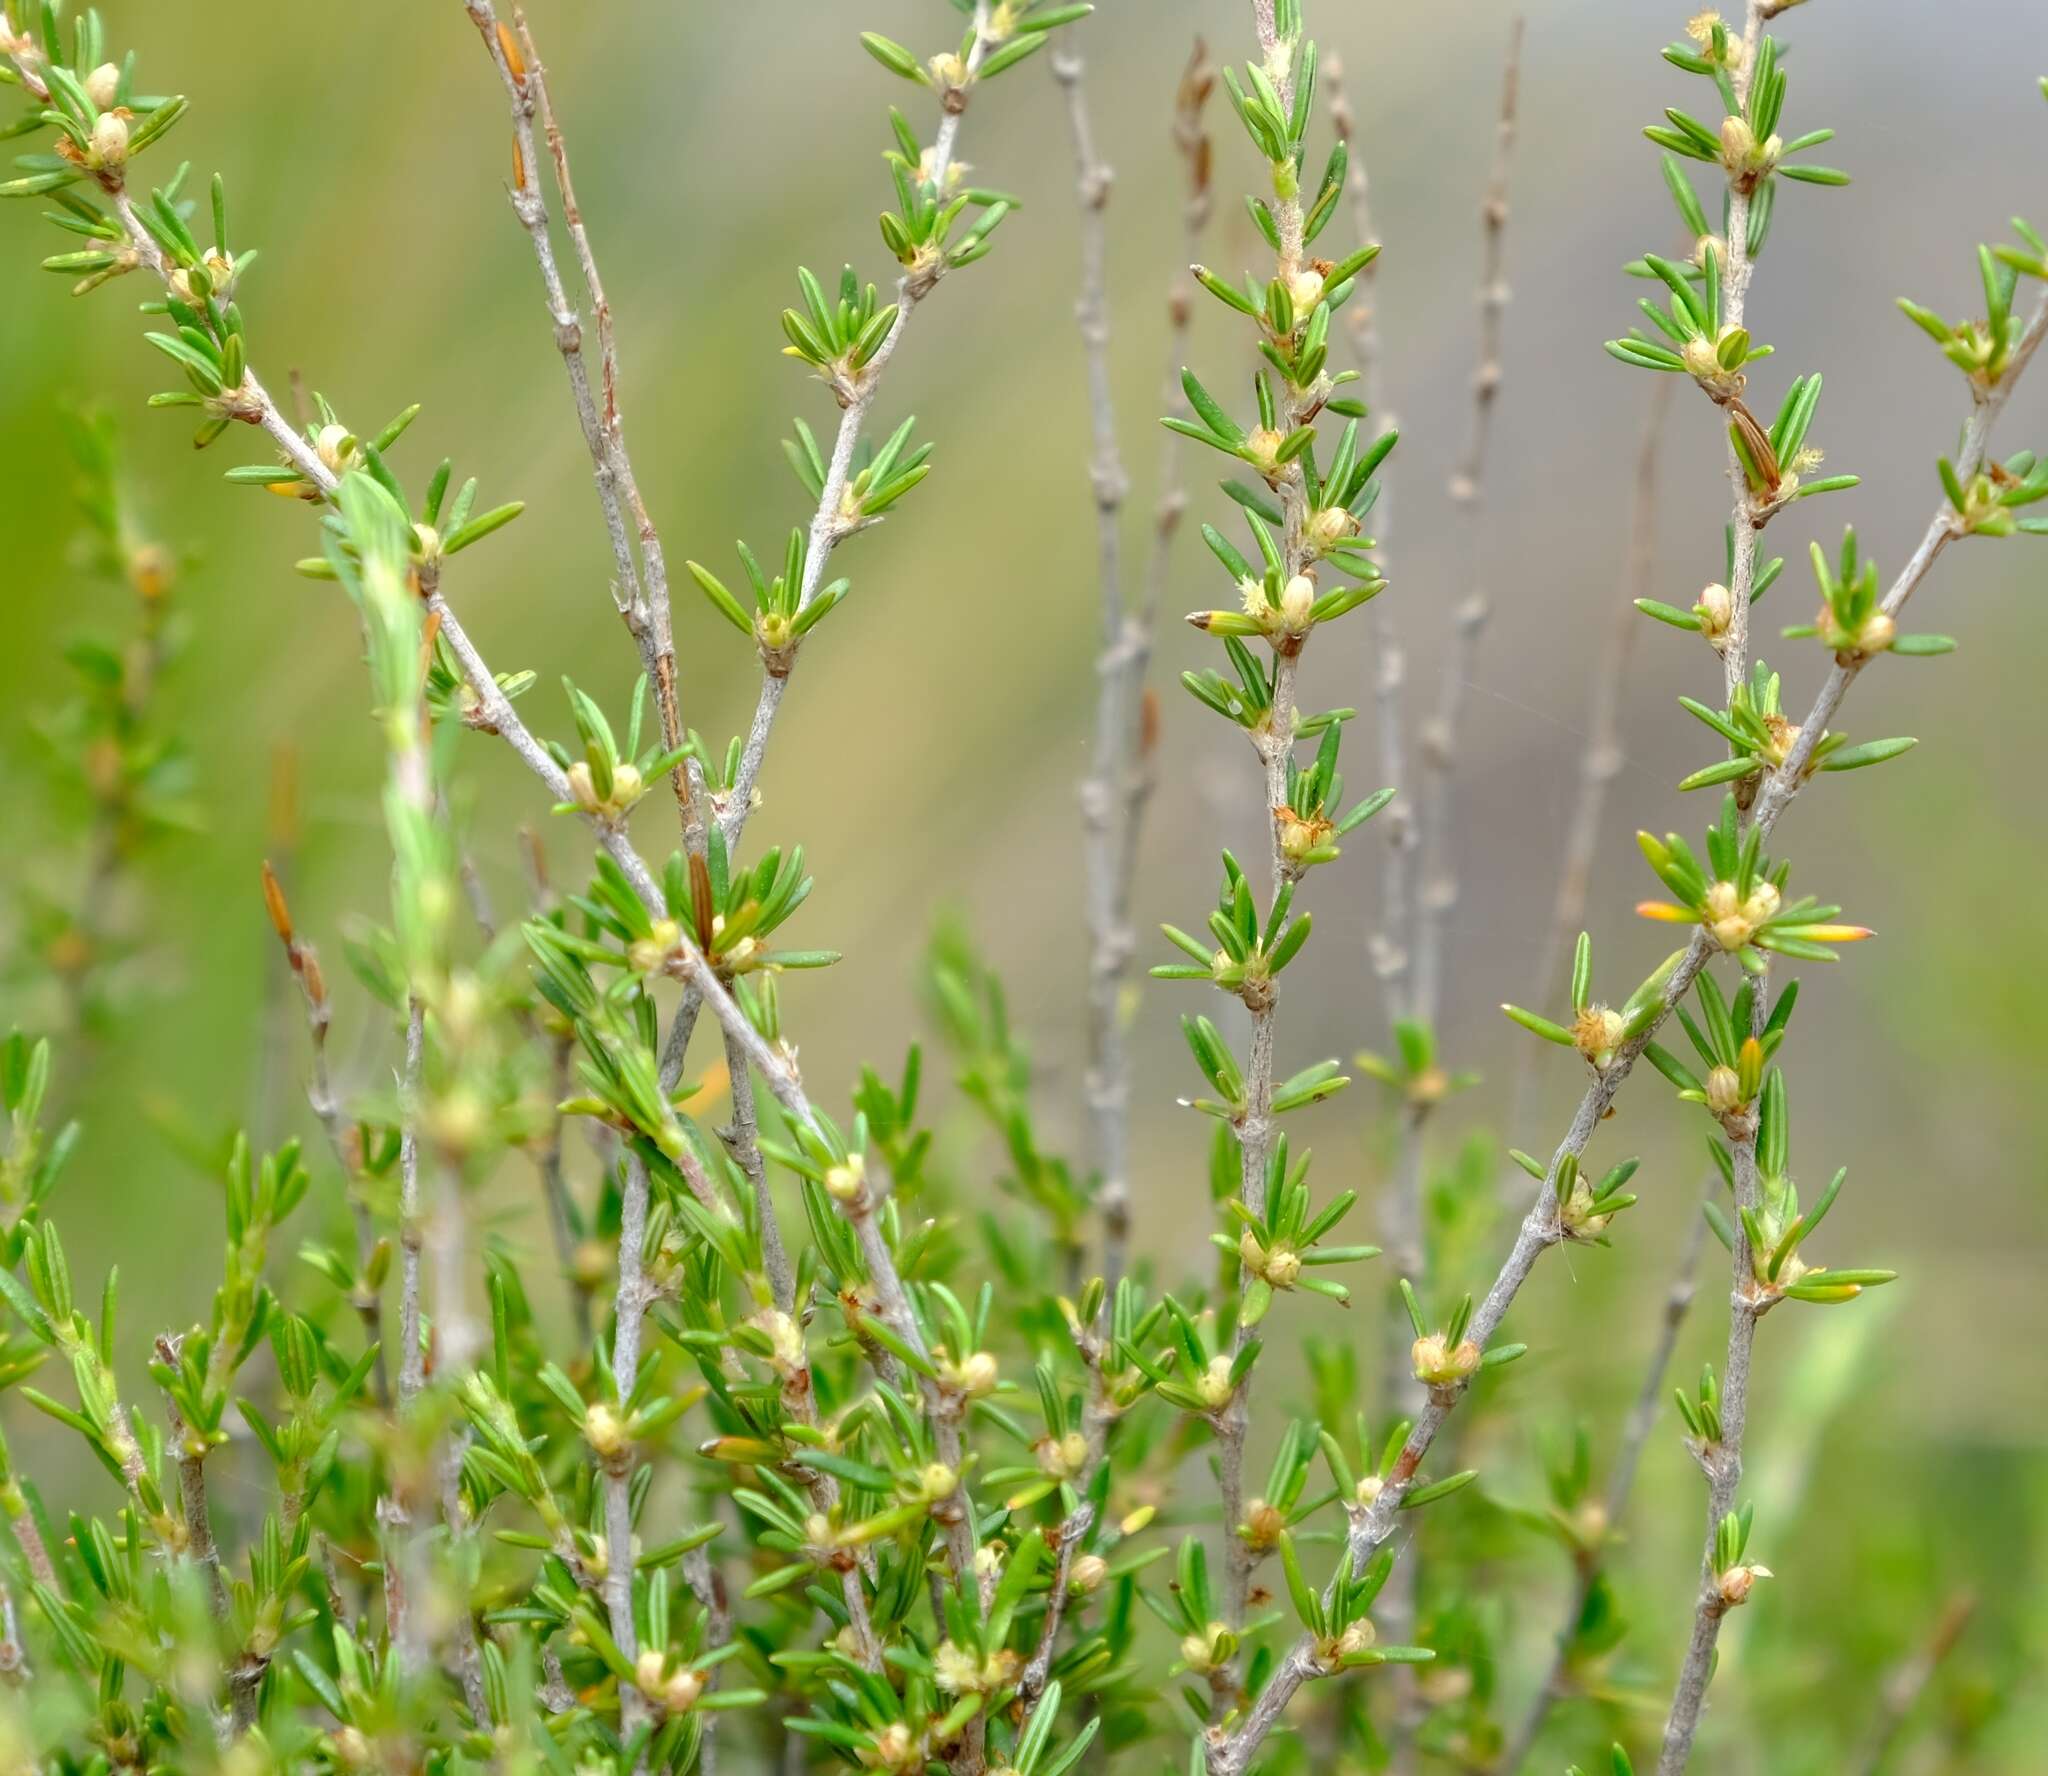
(830, 526)
(1439, 753)
(15, 1670)
(629, 1310)
(1721, 1460)
(200, 1547)
(1943, 529)
(1114, 801)
(743, 1141)
(342, 1142)
(641, 592)
(1229, 1753)
(411, 1351)
(1109, 797)
(1274, 743)
(1621, 1478)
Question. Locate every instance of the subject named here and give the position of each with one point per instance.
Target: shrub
(809, 1455)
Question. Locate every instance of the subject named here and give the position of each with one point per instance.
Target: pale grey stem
(411, 1351)
(1600, 763)
(200, 1547)
(1031, 1683)
(1131, 657)
(642, 594)
(831, 524)
(829, 527)
(1254, 1128)
(555, 1188)
(1073, 1530)
(29, 1539)
(1439, 880)
(1621, 1479)
(15, 1669)
(743, 1141)
(456, 1341)
(1724, 1467)
(944, 1412)
(707, 1585)
(304, 962)
(494, 714)
(629, 1311)
(1723, 1463)
(1541, 1228)
(1721, 1460)
(469, 1663)
(1945, 527)
(1109, 803)
(1908, 1682)
(1736, 271)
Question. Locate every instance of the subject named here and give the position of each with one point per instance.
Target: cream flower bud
(1214, 1385)
(582, 790)
(787, 1355)
(1732, 933)
(895, 1749)
(1703, 360)
(605, 1432)
(1737, 1582)
(336, 447)
(1357, 1638)
(1087, 1574)
(847, 1179)
(351, 1749)
(1305, 287)
(947, 69)
(937, 1481)
(1439, 1364)
(110, 140)
(1716, 611)
(1726, 917)
(674, 1691)
(103, 85)
(955, 1670)
(1264, 444)
(1597, 1032)
(650, 952)
(1263, 1524)
(973, 1375)
(1296, 601)
(1330, 526)
(1368, 1489)
(1063, 1457)
(627, 786)
(1724, 1091)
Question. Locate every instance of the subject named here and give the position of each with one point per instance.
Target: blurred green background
(931, 745)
